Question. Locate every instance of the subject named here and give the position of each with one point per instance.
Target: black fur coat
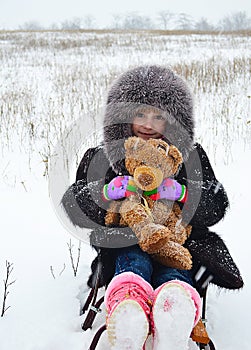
(84, 206)
(207, 203)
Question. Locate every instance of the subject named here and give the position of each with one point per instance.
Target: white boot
(176, 309)
(128, 301)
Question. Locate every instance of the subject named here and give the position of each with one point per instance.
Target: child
(143, 296)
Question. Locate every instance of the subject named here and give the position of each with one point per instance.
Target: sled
(92, 305)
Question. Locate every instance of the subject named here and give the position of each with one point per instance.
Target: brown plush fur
(157, 224)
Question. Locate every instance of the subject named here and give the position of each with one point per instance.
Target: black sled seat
(92, 305)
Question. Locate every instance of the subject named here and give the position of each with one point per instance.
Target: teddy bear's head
(150, 161)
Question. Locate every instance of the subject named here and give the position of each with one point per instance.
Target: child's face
(149, 123)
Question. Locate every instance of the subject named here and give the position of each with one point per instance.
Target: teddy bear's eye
(161, 147)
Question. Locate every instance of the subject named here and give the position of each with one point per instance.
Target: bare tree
(185, 22)
(72, 24)
(236, 21)
(241, 20)
(204, 25)
(89, 22)
(74, 264)
(135, 21)
(164, 18)
(60, 273)
(117, 21)
(7, 284)
(31, 25)
(54, 26)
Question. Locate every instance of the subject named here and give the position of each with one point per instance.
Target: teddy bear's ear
(177, 157)
(134, 143)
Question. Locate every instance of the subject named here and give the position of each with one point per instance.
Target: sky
(14, 13)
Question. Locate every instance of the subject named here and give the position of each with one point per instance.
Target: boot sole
(128, 326)
(173, 317)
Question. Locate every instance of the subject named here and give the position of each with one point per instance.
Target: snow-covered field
(48, 81)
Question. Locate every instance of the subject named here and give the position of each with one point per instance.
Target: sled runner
(92, 305)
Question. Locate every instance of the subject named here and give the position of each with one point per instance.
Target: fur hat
(154, 86)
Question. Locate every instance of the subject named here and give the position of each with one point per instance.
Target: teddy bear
(156, 223)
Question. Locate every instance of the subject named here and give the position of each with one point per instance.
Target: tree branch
(74, 266)
(7, 284)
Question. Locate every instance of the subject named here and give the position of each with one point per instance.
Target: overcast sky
(16, 12)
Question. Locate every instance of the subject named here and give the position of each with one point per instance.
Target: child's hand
(119, 187)
(169, 189)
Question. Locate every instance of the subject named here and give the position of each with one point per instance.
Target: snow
(118, 322)
(44, 311)
(178, 314)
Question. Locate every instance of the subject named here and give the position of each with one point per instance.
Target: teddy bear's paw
(112, 216)
(112, 219)
(178, 234)
(174, 255)
(152, 237)
(188, 230)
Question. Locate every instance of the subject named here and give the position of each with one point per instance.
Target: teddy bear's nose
(147, 178)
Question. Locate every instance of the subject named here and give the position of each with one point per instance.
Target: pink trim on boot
(128, 301)
(193, 293)
(128, 285)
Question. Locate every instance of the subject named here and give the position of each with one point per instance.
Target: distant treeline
(163, 20)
